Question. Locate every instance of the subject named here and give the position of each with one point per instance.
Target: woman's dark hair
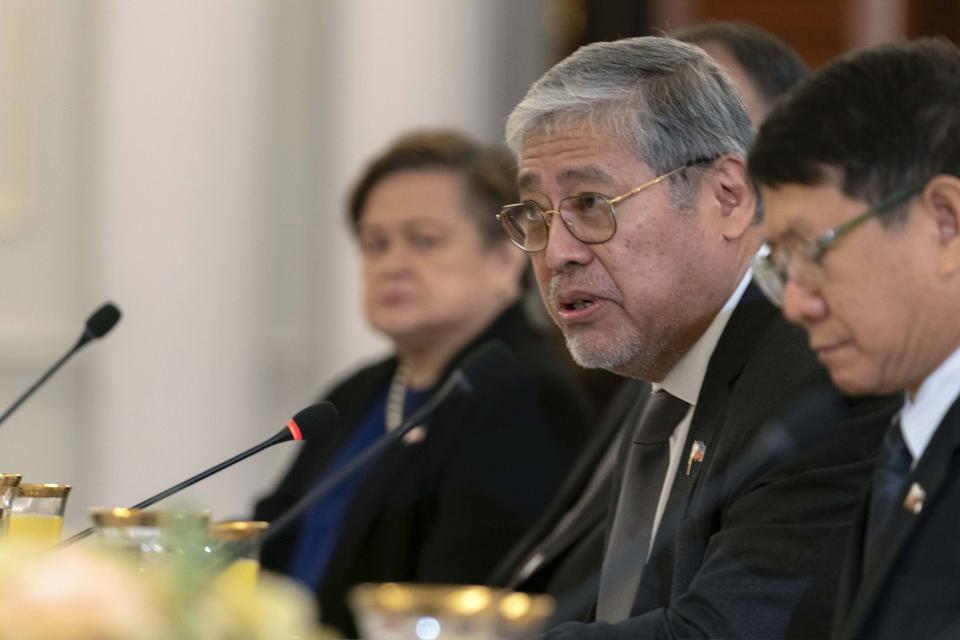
(488, 173)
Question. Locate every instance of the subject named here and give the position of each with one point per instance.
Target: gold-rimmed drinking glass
(36, 513)
(396, 611)
(242, 573)
(150, 538)
(9, 488)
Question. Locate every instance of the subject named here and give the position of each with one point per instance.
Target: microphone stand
(457, 379)
(282, 436)
(99, 324)
(52, 370)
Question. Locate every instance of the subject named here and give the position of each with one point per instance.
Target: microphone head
(102, 321)
(309, 422)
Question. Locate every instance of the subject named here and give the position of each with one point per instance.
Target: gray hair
(666, 99)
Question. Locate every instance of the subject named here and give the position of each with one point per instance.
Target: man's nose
(562, 247)
(802, 303)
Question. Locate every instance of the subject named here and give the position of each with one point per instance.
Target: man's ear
(735, 196)
(941, 199)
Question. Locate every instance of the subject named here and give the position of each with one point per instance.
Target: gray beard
(625, 354)
(626, 350)
(611, 357)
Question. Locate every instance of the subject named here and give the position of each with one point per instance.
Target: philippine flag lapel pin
(697, 451)
(914, 500)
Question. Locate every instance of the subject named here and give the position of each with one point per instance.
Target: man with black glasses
(641, 224)
(859, 172)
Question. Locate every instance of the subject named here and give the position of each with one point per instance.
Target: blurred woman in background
(439, 278)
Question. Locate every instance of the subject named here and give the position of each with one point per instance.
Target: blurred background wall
(189, 160)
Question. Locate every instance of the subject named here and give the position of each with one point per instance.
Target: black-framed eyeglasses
(802, 260)
(589, 217)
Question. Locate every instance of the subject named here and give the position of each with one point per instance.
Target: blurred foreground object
(447, 612)
(105, 592)
(36, 513)
(9, 488)
(244, 571)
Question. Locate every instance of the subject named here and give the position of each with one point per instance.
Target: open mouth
(577, 301)
(578, 304)
(578, 307)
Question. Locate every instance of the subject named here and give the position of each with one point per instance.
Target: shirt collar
(686, 377)
(921, 416)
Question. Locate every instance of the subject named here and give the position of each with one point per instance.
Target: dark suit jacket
(758, 559)
(447, 508)
(576, 554)
(913, 589)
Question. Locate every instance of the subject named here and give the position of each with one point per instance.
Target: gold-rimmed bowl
(446, 612)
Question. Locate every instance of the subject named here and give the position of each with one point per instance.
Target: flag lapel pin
(697, 450)
(914, 500)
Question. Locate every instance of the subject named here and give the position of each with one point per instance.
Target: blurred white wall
(190, 161)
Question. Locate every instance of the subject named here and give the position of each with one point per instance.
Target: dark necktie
(889, 480)
(632, 530)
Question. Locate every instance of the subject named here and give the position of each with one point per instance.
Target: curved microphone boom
(98, 325)
(479, 364)
(306, 424)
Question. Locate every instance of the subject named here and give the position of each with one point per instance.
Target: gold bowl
(447, 612)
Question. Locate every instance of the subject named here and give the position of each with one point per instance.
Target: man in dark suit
(860, 171)
(641, 224)
(566, 544)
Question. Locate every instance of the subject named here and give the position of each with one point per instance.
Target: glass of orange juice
(36, 513)
(241, 574)
(9, 483)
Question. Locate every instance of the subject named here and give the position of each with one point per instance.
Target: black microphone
(803, 425)
(306, 424)
(480, 363)
(98, 325)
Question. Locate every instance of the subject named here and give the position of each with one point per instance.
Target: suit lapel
(733, 350)
(621, 405)
(594, 513)
(931, 472)
(852, 568)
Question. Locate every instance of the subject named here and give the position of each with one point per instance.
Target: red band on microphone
(294, 430)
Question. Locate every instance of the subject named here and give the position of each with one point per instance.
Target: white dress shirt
(684, 382)
(922, 415)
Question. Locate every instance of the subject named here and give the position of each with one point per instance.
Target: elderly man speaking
(861, 172)
(641, 224)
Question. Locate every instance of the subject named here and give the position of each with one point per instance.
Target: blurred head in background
(762, 65)
(436, 268)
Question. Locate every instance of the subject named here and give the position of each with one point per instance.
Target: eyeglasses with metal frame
(590, 217)
(802, 260)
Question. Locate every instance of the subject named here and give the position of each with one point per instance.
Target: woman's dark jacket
(448, 508)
